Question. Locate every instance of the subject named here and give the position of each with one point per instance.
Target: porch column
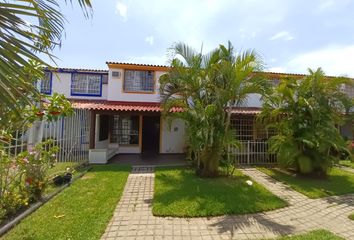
(92, 129)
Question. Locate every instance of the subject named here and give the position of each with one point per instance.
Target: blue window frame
(46, 83)
(86, 84)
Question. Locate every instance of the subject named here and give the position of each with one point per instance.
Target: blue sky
(291, 35)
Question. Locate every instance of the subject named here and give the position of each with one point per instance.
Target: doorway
(151, 135)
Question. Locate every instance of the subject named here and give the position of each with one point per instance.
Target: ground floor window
(243, 127)
(247, 128)
(125, 130)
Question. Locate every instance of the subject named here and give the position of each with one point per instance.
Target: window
(86, 84)
(139, 81)
(125, 130)
(243, 127)
(46, 83)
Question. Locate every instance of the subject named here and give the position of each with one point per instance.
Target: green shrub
(23, 179)
(305, 164)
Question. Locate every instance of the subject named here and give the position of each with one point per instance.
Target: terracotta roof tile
(246, 110)
(104, 105)
(119, 106)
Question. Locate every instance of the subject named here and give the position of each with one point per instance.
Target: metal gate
(71, 134)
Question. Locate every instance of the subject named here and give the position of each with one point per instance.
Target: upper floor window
(139, 81)
(86, 84)
(46, 83)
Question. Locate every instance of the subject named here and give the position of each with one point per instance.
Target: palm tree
(305, 113)
(207, 86)
(28, 29)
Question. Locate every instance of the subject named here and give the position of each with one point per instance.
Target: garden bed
(81, 211)
(180, 193)
(338, 182)
(313, 235)
(76, 168)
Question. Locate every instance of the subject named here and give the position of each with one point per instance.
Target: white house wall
(116, 93)
(61, 83)
(172, 139)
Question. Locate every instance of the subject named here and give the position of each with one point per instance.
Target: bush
(23, 179)
(305, 164)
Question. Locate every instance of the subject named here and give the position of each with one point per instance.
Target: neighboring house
(124, 104)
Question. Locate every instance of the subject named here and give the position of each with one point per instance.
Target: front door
(151, 135)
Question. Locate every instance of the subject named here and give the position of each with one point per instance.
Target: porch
(123, 128)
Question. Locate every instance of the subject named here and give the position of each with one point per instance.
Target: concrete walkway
(133, 217)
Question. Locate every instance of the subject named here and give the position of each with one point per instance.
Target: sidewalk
(133, 217)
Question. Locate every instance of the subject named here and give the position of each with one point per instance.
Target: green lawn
(351, 216)
(313, 235)
(81, 211)
(61, 167)
(180, 193)
(338, 182)
(347, 163)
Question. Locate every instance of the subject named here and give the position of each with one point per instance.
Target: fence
(253, 153)
(70, 134)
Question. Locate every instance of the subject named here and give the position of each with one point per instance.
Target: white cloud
(284, 35)
(325, 5)
(150, 40)
(334, 60)
(122, 10)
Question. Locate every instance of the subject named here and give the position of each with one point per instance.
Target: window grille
(138, 81)
(46, 83)
(125, 130)
(86, 84)
(243, 127)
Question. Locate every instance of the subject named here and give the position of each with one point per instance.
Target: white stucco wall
(173, 138)
(61, 83)
(116, 93)
(253, 100)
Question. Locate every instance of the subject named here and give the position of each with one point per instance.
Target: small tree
(207, 87)
(305, 113)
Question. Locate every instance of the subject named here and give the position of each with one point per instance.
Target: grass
(180, 193)
(313, 235)
(347, 163)
(60, 168)
(351, 216)
(81, 211)
(338, 182)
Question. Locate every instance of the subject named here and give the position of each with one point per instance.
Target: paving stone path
(133, 217)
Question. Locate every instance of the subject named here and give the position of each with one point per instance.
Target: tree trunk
(211, 158)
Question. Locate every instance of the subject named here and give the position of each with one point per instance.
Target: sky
(290, 35)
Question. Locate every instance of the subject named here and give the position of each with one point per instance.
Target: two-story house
(125, 110)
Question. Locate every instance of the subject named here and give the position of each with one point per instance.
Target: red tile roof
(119, 106)
(104, 105)
(246, 110)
